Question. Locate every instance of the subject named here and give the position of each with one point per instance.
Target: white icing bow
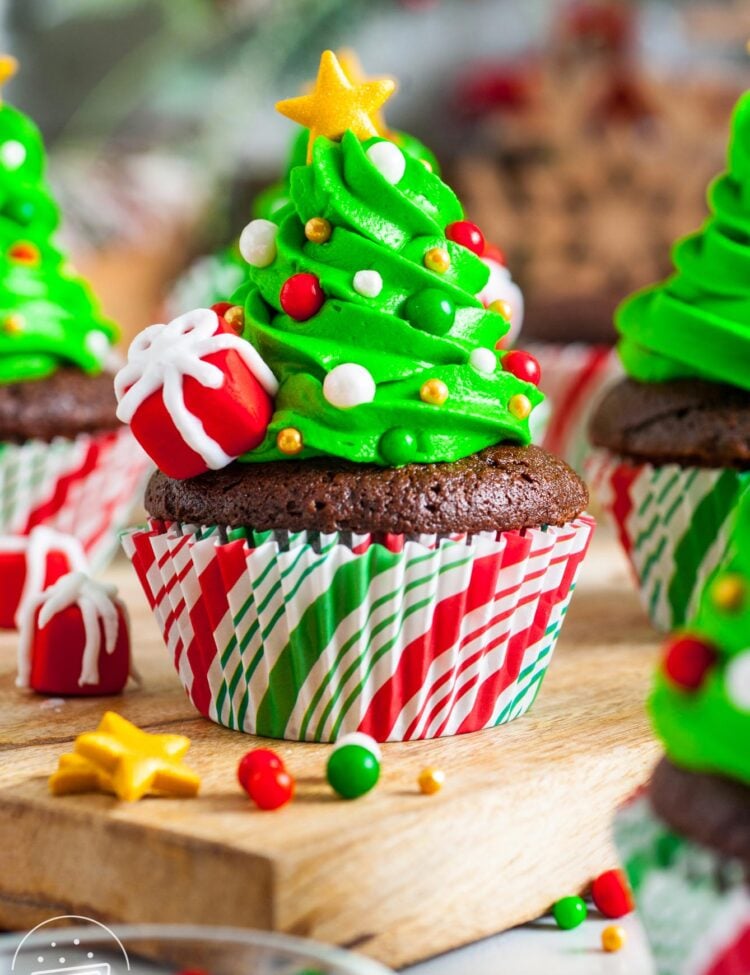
(161, 355)
(97, 602)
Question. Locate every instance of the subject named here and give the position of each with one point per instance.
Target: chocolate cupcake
(350, 531)
(65, 461)
(675, 435)
(686, 841)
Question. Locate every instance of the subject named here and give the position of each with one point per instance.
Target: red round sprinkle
(494, 253)
(611, 894)
(255, 761)
(522, 365)
(687, 660)
(24, 252)
(270, 788)
(467, 234)
(221, 307)
(301, 296)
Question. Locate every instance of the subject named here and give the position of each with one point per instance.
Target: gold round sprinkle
(728, 593)
(289, 440)
(434, 392)
(437, 259)
(13, 324)
(235, 318)
(520, 406)
(318, 230)
(430, 781)
(501, 307)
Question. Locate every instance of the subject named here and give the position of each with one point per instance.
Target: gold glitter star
(352, 68)
(336, 104)
(121, 759)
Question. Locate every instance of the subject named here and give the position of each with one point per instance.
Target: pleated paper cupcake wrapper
(86, 486)
(674, 523)
(575, 377)
(308, 637)
(693, 903)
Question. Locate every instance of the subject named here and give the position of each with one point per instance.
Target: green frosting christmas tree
(48, 316)
(361, 299)
(216, 277)
(697, 324)
(700, 702)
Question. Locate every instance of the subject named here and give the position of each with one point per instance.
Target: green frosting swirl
(401, 336)
(708, 729)
(697, 323)
(47, 314)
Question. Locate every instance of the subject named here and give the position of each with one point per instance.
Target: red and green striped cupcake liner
(674, 524)
(311, 636)
(693, 902)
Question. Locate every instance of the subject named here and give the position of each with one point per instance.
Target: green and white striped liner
(675, 526)
(694, 904)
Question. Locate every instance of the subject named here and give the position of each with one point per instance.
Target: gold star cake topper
(120, 759)
(336, 104)
(8, 67)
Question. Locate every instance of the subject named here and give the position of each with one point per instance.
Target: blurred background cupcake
(685, 842)
(65, 461)
(674, 437)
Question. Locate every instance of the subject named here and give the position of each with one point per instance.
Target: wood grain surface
(523, 818)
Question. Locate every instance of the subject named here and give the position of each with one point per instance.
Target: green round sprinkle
(352, 771)
(398, 446)
(431, 311)
(569, 912)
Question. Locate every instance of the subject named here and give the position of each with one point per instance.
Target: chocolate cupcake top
(48, 317)
(502, 488)
(696, 323)
(362, 311)
(700, 702)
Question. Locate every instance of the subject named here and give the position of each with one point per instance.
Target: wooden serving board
(522, 820)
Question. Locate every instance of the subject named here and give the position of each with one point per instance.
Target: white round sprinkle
(737, 680)
(12, 154)
(369, 284)
(364, 741)
(388, 160)
(258, 243)
(348, 385)
(483, 360)
(98, 345)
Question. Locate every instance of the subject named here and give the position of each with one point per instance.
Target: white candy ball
(258, 243)
(388, 160)
(361, 739)
(348, 385)
(369, 284)
(98, 345)
(12, 154)
(483, 360)
(737, 680)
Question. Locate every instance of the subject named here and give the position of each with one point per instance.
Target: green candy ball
(352, 771)
(431, 311)
(569, 912)
(398, 446)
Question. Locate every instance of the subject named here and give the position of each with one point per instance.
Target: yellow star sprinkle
(121, 759)
(8, 67)
(352, 68)
(336, 104)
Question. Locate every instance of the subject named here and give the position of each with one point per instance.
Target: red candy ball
(466, 234)
(301, 296)
(611, 894)
(255, 761)
(522, 365)
(270, 788)
(221, 308)
(687, 660)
